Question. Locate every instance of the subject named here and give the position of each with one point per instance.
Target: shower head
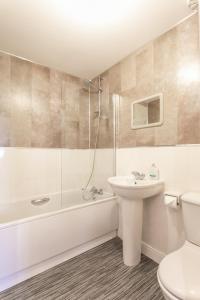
(193, 4)
(89, 85)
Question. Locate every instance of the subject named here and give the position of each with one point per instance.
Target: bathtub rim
(56, 212)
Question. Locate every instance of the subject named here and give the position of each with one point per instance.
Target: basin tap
(138, 175)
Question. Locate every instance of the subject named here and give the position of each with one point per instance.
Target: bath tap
(100, 191)
(94, 191)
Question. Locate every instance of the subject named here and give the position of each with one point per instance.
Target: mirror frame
(158, 96)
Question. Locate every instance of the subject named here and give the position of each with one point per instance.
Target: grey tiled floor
(97, 274)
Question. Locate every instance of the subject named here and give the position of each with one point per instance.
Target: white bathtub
(35, 238)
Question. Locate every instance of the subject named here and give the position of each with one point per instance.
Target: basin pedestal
(132, 192)
(132, 213)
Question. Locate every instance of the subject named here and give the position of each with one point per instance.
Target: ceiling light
(189, 73)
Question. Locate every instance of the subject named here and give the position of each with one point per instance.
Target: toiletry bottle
(154, 172)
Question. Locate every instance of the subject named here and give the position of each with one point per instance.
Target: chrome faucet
(95, 191)
(138, 175)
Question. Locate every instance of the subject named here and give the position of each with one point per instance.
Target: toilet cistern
(179, 272)
(132, 192)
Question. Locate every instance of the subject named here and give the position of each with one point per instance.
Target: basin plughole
(132, 192)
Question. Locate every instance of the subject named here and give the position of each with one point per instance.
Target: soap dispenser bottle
(154, 172)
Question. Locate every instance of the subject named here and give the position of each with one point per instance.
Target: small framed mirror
(147, 112)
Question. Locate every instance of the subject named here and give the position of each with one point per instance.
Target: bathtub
(34, 238)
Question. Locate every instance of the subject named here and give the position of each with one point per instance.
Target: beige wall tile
(144, 71)
(127, 136)
(145, 137)
(41, 107)
(128, 73)
(46, 109)
(166, 134)
(189, 116)
(5, 68)
(70, 136)
(84, 120)
(188, 40)
(72, 93)
(41, 121)
(188, 82)
(114, 78)
(41, 134)
(20, 97)
(40, 78)
(165, 69)
(4, 131)
(5, 103)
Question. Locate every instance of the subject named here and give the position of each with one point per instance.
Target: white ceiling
(83, 37)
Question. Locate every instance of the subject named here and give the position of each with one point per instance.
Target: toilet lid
(179, 272)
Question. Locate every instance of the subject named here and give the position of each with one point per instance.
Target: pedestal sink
(132, 192)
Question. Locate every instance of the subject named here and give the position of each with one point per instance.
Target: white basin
(128, 187)
(132, 192)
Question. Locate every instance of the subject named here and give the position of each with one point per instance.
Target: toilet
(179, 272)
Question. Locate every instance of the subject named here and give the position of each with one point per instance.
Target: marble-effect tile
(41, 107)
(157, 68)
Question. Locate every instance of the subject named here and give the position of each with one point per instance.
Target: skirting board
(152, 253)
(50, 263)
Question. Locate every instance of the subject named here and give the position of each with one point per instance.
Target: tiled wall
(41, 107)
(168, 65)
(42, 111)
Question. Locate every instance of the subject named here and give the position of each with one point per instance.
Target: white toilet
(179, 272)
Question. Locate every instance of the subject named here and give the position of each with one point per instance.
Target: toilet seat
(179, 273)
(166, 293)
